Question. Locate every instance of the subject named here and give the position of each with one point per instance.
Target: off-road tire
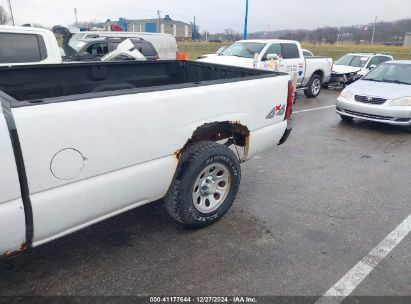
(196, 158)
(311, 92)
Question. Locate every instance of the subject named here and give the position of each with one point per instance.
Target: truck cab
(287, 56)
(21, 45)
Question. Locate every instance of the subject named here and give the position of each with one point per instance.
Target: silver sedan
(383, 95)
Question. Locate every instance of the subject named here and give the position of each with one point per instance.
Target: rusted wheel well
(234, 132)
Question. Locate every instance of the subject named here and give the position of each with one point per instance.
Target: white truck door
(289, 60)
(294, 61)
(272, 64)
(12, 219)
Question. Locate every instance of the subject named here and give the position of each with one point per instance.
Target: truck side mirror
(373, 66)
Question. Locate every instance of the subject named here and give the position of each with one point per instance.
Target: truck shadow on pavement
(143, 243)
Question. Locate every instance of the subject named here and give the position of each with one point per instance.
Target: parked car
(21, 45)
(82, 142)
(281, 56)
(383, 95)
(165, 45)
(95, 48)
(353, 66)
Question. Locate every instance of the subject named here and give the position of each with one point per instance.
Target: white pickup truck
(308, 73)
(83, 142)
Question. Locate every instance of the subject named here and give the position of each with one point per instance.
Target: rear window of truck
(290, 51)
(21, 48)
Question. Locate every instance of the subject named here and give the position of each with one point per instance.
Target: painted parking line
(314, 109)
(350, 281)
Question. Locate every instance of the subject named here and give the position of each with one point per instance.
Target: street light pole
(246, 20)
(11, 13)
(75, 14)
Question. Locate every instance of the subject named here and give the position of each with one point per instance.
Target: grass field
(196, 49)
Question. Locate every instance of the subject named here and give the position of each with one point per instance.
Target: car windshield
(243, 49)
(391, 72)
(352, 60)
(76, 44)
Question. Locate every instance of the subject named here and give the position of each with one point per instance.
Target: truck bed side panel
(314, 64)
(90, 159)
(12, 220)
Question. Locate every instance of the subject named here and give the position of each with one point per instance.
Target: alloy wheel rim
(316, 86)
(211, 188)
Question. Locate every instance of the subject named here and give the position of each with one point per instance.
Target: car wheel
(346, 118)
(314, 87)
(205, 185)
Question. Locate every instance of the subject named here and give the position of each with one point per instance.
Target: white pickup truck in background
(82, 142)
(308, 73)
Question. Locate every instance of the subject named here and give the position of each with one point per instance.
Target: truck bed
(84, 142)
(30, 85)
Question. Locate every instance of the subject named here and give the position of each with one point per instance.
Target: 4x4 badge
(277, 111)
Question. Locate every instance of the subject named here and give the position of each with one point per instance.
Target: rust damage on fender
(22, 248)
(246, 147)
(178, 153)
(233, 131)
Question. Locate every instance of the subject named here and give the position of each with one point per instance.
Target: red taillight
(290, 100)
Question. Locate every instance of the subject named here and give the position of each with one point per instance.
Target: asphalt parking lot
(305, 215)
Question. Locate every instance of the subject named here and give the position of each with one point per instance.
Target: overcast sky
(216, 15)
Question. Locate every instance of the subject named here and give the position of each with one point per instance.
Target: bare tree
(4, 16)
(231, 35)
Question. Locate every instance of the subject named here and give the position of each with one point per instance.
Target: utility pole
(246, 21)
(194, 29)
(339, 35)
(11, 13)
(75, 15)
(158, 22)
(373, 31)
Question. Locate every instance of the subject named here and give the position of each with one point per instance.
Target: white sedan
(383, 95)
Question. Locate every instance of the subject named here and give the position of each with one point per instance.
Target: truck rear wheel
(314, 87)
(205, 185)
